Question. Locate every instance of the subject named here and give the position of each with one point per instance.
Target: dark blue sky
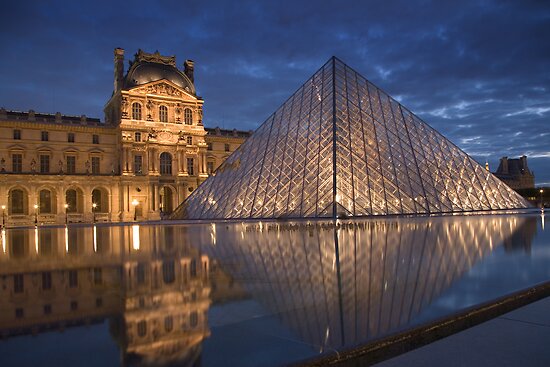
(478, 71)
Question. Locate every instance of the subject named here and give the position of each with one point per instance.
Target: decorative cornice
(156, 57)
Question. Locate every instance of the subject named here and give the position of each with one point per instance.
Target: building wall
(92, 164)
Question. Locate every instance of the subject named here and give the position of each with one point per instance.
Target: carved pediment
(162, 88)
(167, 137)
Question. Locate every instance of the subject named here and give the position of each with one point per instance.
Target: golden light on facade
(4, 240)
(135, 236)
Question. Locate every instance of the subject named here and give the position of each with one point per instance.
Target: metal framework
(340, 146)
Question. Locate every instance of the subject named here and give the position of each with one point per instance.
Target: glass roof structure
(340, 146)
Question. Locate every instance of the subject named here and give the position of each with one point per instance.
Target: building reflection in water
(331, 284)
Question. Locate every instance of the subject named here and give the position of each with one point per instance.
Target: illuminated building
(152, 150)
(515, 173)
(341, 147)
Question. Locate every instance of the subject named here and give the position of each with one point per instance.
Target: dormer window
(188, 116)
(163, 114)
(136, 111)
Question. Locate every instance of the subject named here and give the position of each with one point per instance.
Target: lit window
(165, 164)
(190, 166)
(137, 137)
(95, 165)
(17, 163)
(71, 164)
(163, 114)
(73, 279)
(189, 140)
(46, 280)
(16, 134)
(98, 279)
(44, 136)
(142, 328)
(18, 284)
(188, 116)
(70, 137)
(17, 202)
(138, 164)
(136, 111)
(44, 163)
(45, 204)
(95, 139)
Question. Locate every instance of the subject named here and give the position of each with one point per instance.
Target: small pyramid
(342, 147)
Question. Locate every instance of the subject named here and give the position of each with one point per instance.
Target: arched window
(99, 198)
(45, 197)
(136, 111)
(165, 164)
(163, 114)
(166, 200)
(188, 116)
(70, 200)
(17, 202)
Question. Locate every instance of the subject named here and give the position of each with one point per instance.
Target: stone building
(150, 152)
(515, 173)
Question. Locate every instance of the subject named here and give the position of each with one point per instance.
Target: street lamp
(66, 215)
(35, 214)
(541, 203)
(94, 206)
(135, 203)
(3, 215)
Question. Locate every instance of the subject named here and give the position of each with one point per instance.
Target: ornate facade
(148, 155)
(515, 173)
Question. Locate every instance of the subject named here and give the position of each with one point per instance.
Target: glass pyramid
(340, 146)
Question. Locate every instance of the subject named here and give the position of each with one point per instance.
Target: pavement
(517, 338)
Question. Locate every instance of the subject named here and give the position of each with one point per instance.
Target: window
(136, 111)
(19, 313)
(95, 139)
(142, 328)
(137, 137)
(47, 309)
(168, 323)
(70, 137)
(189, 140)
(74, 305)
(99, 302)
(193, 319)
(193, 268)
(138, 164)
(226, 147)
(188, 116)
(209, 146)
(98, 276)
(44, 136)
(73, 279)
(97, 199)
(71, 164)
(70, 200)
(163, 114)
(16, 134)
(18, 284)
(190, 166)
(44, 163)
(95, 165)
(17, 203)
(140, 273)
(168, 272)
(45, 197)
(209, 167)
(17, 163)
(46, 280)
(165, 164)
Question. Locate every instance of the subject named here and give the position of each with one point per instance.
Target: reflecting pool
(250, 293)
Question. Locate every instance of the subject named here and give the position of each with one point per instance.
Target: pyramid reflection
(342, 285)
